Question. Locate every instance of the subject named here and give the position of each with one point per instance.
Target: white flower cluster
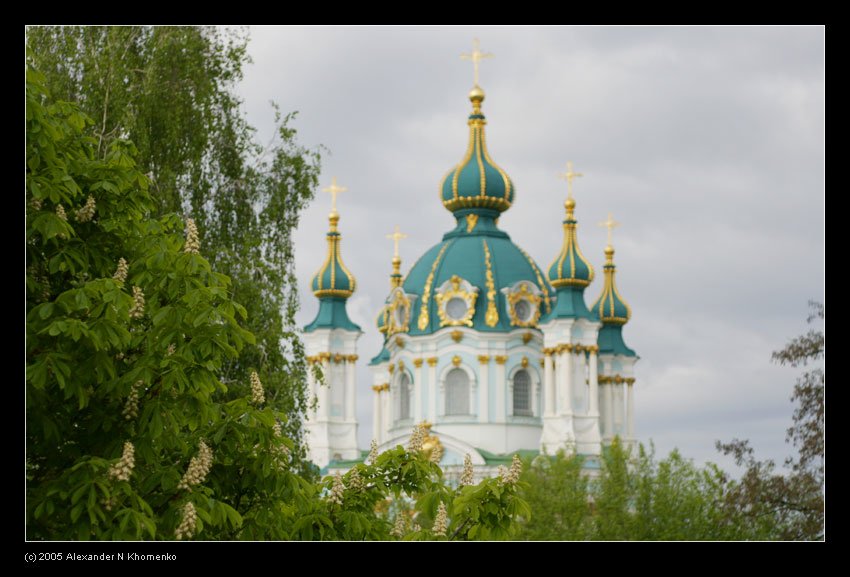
(280, 452)
(193, 242)
(86, 213)
(121, 470)
(35, 203)
(337, 490)
(511, 476)
(466, 477)
(131, 407)
(199, 466)
(137, 311)
(170, 350)
(373, 452)
(441, 521)
(188, 524)
(416, 439)
(436, 454)
(355, 481)
(122, 270)
(400, 527)
(258, 396)
(60, 212)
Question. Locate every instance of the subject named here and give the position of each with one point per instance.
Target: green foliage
(172, 91)
(131, 432)
(632, 497)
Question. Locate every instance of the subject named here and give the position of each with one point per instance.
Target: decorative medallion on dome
(456, 302)
(399, 311)
(523, 303)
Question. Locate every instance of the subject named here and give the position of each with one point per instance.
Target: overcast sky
(707, 144)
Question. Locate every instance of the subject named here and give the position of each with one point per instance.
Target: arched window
(457, 392)
(403, 397)
(522, 394)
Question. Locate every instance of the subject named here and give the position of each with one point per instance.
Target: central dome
(477, 253)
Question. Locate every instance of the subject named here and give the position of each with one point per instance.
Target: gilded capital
(417, 362)
(483, 359)
(432, 361)
(501, 359)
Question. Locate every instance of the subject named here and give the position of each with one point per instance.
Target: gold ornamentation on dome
(491, 319)
(452, 289)
(426, 291)
(417, 362)
(526, 338)
(524, 293)
(501, 359)
(457, 335)
(456, 360)
(524, 362)
(399, 342)
(483, 359)
(432, 361)
(471, 221)
(546, 299)
(399, 310)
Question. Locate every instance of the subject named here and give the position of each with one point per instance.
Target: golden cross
(569, 176)
(395, 237)
(334, 190)
(476, 56)
(611, 224)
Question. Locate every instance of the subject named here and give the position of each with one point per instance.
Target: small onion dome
(570, 268)
(477, 181)
(610, 307)
(333, 279)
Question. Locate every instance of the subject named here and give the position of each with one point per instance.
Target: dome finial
(569, 176)
(610, 224)
(334, 190)
(476, 56)
(395, 278)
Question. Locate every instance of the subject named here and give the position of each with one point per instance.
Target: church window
(522, 394)
(456, 308)
(457, 392)
(404, 397)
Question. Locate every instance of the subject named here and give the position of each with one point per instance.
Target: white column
(322, 391)
(593, 404)
(548, 385)
(500, 387)
(348, 367)
(609, 409)
(484, 389)
(567, 383)
(386, 413)
(418, 413)
(376, 413)
(630, 415)
(618, 409)
(432, 389)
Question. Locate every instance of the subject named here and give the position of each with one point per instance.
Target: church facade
(495, 353)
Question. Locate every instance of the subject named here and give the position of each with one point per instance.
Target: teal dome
(477, 181)
(570, 268)
(610, 308)
(477, 253)
(333, 280)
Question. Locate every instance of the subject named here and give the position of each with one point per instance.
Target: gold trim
(483, 359)
(491, 319)
(542, 362)
(616, 379)
(526, 338)
(524, 362)
(352, 358)
(391, 368)
(456, 360)
(426, 292)
(501, 359)
(385, 386)
(457, 336)
(570, 247)
(542, 284)
(401, 366)
(432, 361)
(462, 202)
(377, 388)
(400, 301)
(523, 293)
(456, 291)
(333, 293)
(399, 342)
(417, 362)
(471, 221)
(338, 358)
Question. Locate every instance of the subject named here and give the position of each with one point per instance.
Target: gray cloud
(707, 143)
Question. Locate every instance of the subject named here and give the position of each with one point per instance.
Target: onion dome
(613, 311)
(333, 283)
(570, 268)
(477, 182)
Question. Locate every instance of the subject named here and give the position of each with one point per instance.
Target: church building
(494, 353)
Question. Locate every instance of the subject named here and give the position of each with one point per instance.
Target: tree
(172, 92)
(131, 432)
(791, 504)
(631, 496)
